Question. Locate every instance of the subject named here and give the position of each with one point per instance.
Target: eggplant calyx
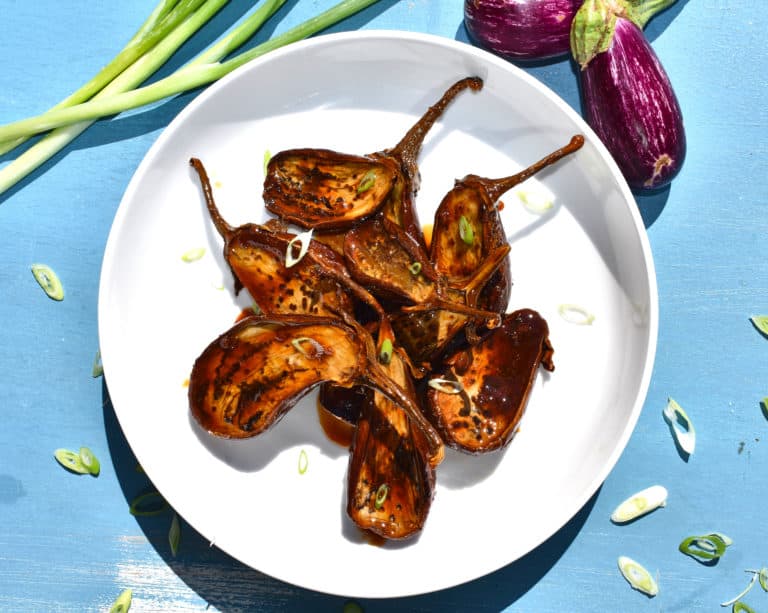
(641, 11)
(592, 30)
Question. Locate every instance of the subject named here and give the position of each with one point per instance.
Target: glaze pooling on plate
(589, 248)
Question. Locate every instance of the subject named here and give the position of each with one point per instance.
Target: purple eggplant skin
(521, 29)
(630, 104)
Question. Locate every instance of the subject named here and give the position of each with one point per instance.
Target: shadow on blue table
(228, 585)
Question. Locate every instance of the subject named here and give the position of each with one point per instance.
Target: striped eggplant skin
(521, 29)
(630, 104)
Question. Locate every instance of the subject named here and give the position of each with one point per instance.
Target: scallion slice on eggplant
(628, 98)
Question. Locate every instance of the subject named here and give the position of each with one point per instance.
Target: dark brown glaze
(496, 376)
(325, 190)
(249, 377)
(343, 402)
(389, 452)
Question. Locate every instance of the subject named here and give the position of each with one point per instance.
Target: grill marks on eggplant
(367, 274)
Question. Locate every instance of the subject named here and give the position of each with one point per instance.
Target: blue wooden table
(70, 544)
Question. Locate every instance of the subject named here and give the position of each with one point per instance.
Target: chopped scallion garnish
(637, 576)
(147, 504)
(97, 370)
(639, 504)
(122, 602)
(267, 157)
(381, 496)
(303, 239)
(49, 281)
(741, 607)
(299, 342)
(385, 353)
(303, 462)
(90, 461)
(71, 461)
(575, 314)
(193, 254)
(681, 426)
(414, 268)
(535, 201)
(446, 386)
(761, 323)
(706, 548)
(762, 577)
(744, 592)
(174, 535)
(367, 182)
(466, 231)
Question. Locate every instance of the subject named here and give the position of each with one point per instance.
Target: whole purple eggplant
(627, 96)
(521, 29)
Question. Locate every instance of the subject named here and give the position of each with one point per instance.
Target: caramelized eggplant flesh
(494, 379)
(390, 482)
(325, 190)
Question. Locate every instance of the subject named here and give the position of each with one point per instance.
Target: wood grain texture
(68, 543)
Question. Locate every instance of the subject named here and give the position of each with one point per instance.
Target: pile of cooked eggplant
(410, 334)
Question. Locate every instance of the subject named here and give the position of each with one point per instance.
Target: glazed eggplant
(248, 378)
(627, 95)
(390, 481)
(477, 401)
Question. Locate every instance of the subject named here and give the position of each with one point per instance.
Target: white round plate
(359, 93)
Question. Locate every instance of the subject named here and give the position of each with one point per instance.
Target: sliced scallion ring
(193, 254)
(637, 576)
(466, 231)
(174, 535)
(639, 504)
(303, 238)
(122, 603)
(415, 268)
(303, 462)
(447, 386)
(90, 461)
(298, 345)
(743, 593)
(742, 607)
(267, 158)
(681, 426)
(71, 461)
(385, 353)
(575, 314)
(381, 496)
(762, 577)
(705, 548)
(535, 201)
(48, 280)
(148, 504)
(761, 323)
(367, 182)
(97, 369)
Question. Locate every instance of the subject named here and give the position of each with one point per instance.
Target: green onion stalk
(69, 118)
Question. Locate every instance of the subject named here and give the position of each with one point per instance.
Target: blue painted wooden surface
(69, 544)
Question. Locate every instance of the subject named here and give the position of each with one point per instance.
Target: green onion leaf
(193, 254)
(639, 504)
(707, 547)
(381, 496)
(49, 281)
(148, 504)
(122, 602)
(761, 323)
(303, 462)
(637, 576)
(267, 157)
(71, 461)
(466, 231)
(174, 535)
(367, 182)
(741, 607)
(385, 353)
(415, 268)
(97, 370)
(90, 461)
(447, 386)
(681, 426)
(575, 314)
(303, 239)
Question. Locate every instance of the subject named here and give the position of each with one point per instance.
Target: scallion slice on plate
(303, 238)
(638, 576)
